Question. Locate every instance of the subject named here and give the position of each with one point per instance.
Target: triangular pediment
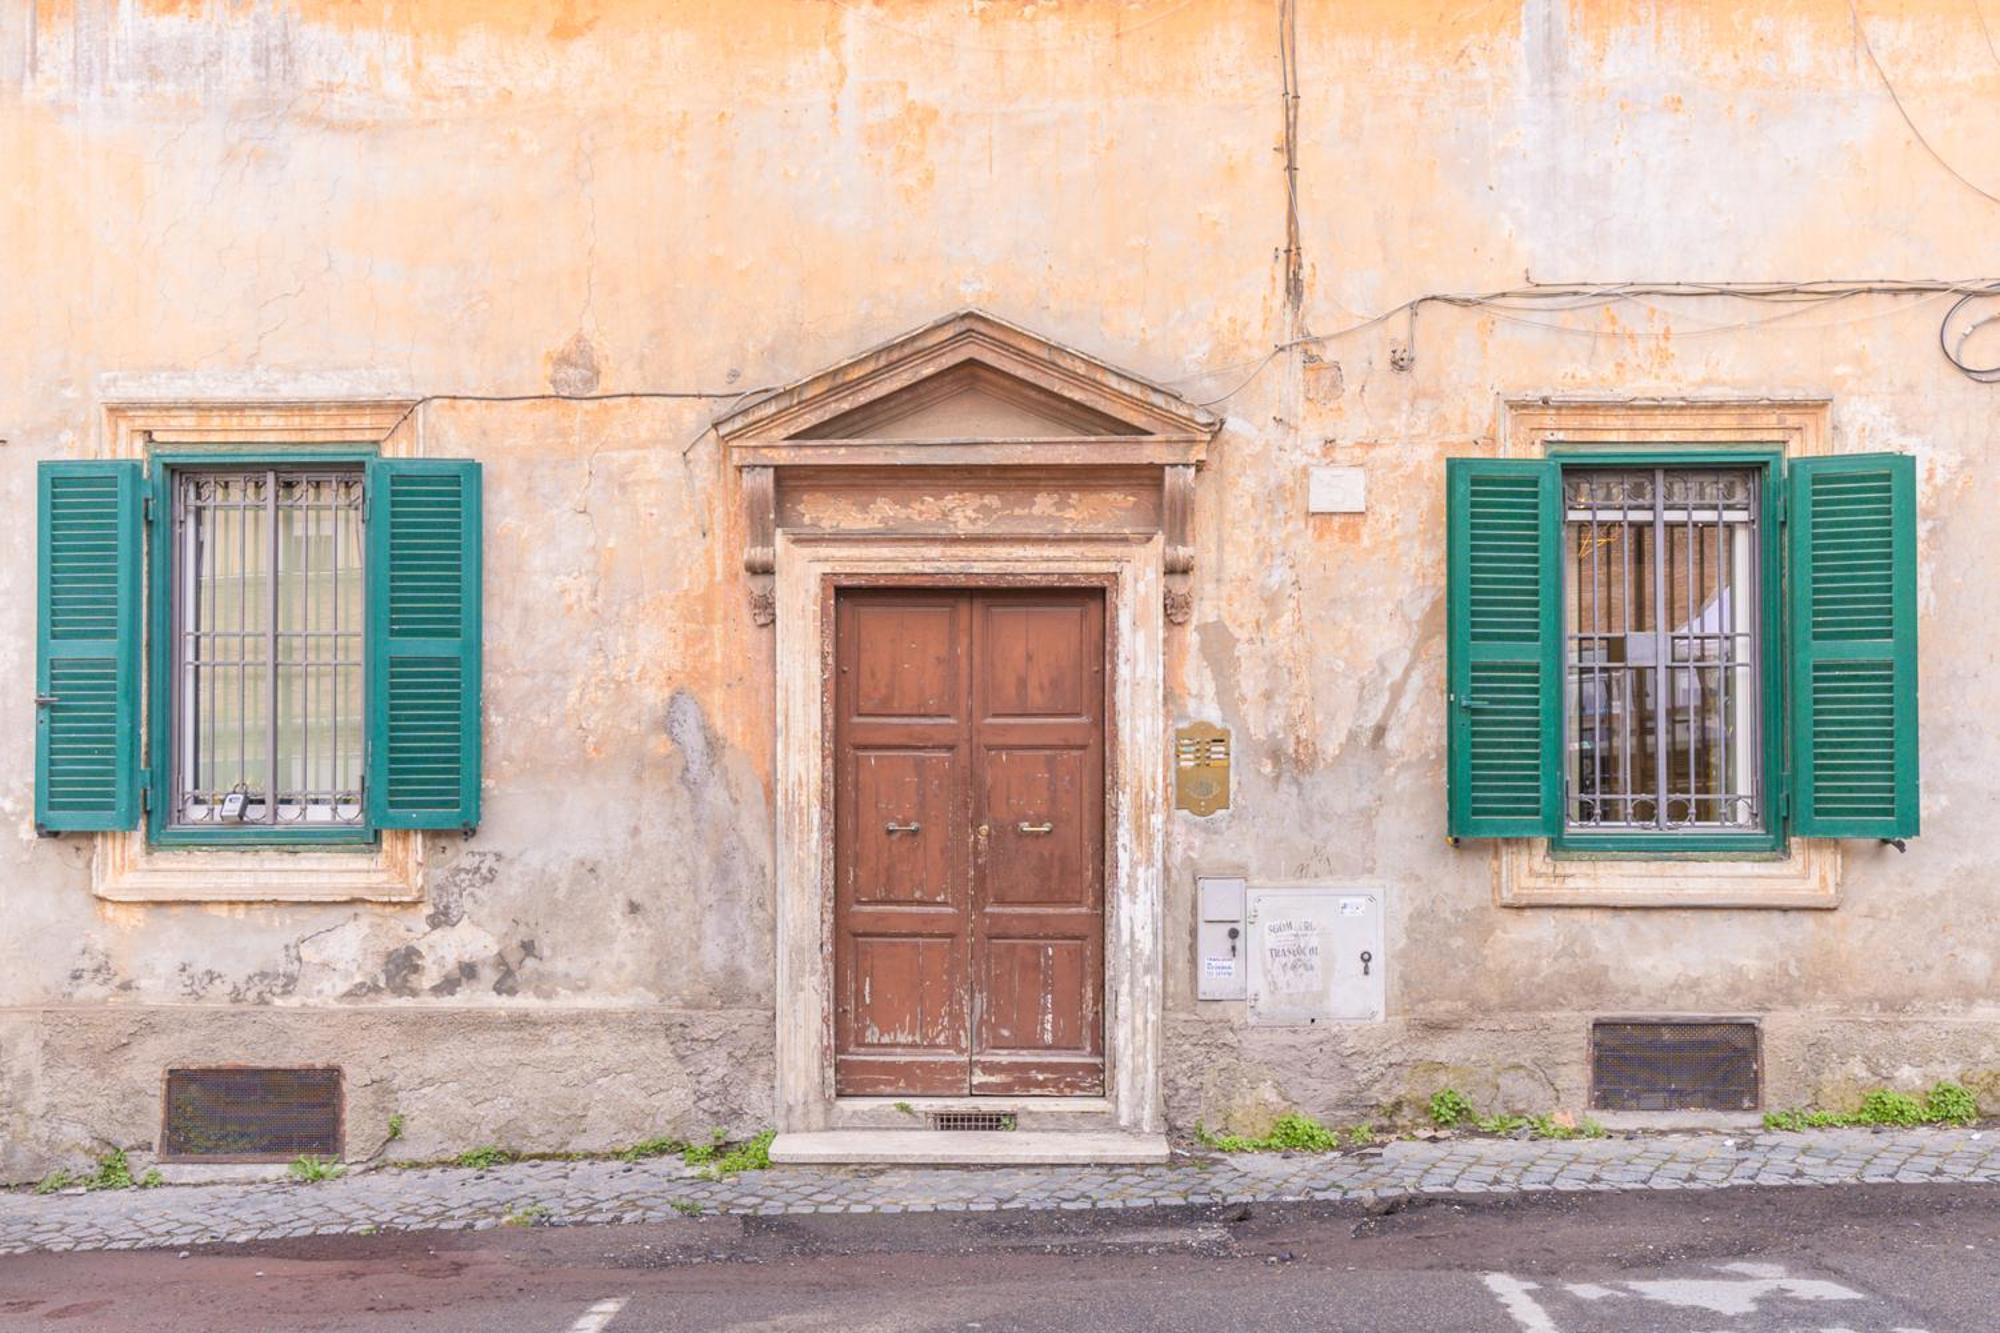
(969, 385)
(969, 401)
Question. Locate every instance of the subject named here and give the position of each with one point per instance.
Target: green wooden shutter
(1853, 606)
(423, 643)
(1505, 647)
(88, 559)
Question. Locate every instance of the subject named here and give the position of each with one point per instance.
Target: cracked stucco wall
(213, 201)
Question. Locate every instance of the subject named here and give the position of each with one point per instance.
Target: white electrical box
(1221, 960)
(1315, 955)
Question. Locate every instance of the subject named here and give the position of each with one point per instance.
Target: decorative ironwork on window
(1660, 606)
(268, 608)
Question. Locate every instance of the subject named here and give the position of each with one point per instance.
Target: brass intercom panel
(1201, 768)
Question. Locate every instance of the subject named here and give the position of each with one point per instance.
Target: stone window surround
(125, 866)
(1525, 871)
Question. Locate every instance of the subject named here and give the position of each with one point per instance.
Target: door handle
(893, 827)
(1025, 827)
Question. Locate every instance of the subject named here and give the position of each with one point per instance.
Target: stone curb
(593, 1193)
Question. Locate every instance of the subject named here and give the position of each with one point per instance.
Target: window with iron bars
(267, 718)
(1664, 652)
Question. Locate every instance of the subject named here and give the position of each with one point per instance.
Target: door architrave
(810, 567)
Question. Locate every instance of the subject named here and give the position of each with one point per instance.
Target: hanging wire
(1954, 349)
(1979, 11)
(1861, 30)
(428, 398)
(1512, 304)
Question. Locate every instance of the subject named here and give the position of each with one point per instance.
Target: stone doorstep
(921, 1147)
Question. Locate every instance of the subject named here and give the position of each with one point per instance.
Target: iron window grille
(1663, 659)
(268, 714)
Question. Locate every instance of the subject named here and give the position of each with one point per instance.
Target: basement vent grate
(1674, 1066)
(971, 1120)
(250, 1115)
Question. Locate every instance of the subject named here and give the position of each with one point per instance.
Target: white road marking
(1513, 1295)
(1740, 1296)
(1737, 1295)
(599, 1316)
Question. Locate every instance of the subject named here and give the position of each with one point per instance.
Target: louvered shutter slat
(87, 646)
(1504, 643)
(1853, 586)
(424, 643)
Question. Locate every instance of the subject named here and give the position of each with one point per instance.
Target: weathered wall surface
(212, 201)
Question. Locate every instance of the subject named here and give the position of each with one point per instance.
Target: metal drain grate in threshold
(960, 1120)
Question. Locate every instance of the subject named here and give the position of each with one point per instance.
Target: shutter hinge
(145, 791)
(1784, 505)
(146, 508)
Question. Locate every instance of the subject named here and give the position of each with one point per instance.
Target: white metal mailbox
(1315, 954)
(1220, 948)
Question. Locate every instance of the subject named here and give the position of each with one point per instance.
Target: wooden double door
(969, 732)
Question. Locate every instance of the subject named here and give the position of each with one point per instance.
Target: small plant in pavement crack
(1291, 1132)
(754, 1155)
(311, 1169)
(58, 1180)
(661, 1146)
(534, 1215)
(114, 1172)
(1450, 1108)
(1947, 1103)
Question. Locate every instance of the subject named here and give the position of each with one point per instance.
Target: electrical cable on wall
(1508, 304)
(1552, 298)
(429, 398)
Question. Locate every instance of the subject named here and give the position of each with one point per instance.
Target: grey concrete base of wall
(1240, 1078)
(78, 1081)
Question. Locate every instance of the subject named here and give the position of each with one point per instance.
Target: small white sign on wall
(1337, 490)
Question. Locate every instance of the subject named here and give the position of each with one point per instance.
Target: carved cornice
(967, 395)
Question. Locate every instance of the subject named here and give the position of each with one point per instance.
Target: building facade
(590, 571)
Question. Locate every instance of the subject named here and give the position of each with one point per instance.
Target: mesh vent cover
(1674, 1066)
(251, 1115)
(971, 1120)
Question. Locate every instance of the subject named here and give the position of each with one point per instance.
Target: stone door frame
(809, 567)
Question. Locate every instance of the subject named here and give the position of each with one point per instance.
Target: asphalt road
(1868, 1259)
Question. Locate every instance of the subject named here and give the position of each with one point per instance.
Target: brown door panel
(1043, 809)
(1038, 890)
(906, 992)
(910, 659)
(1034, 657)
(901, 1076)
(969, 842)
(1034, 995)
(908, 837)
(1014, 1076)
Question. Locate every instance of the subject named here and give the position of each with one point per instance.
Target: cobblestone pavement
(582, 1193)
